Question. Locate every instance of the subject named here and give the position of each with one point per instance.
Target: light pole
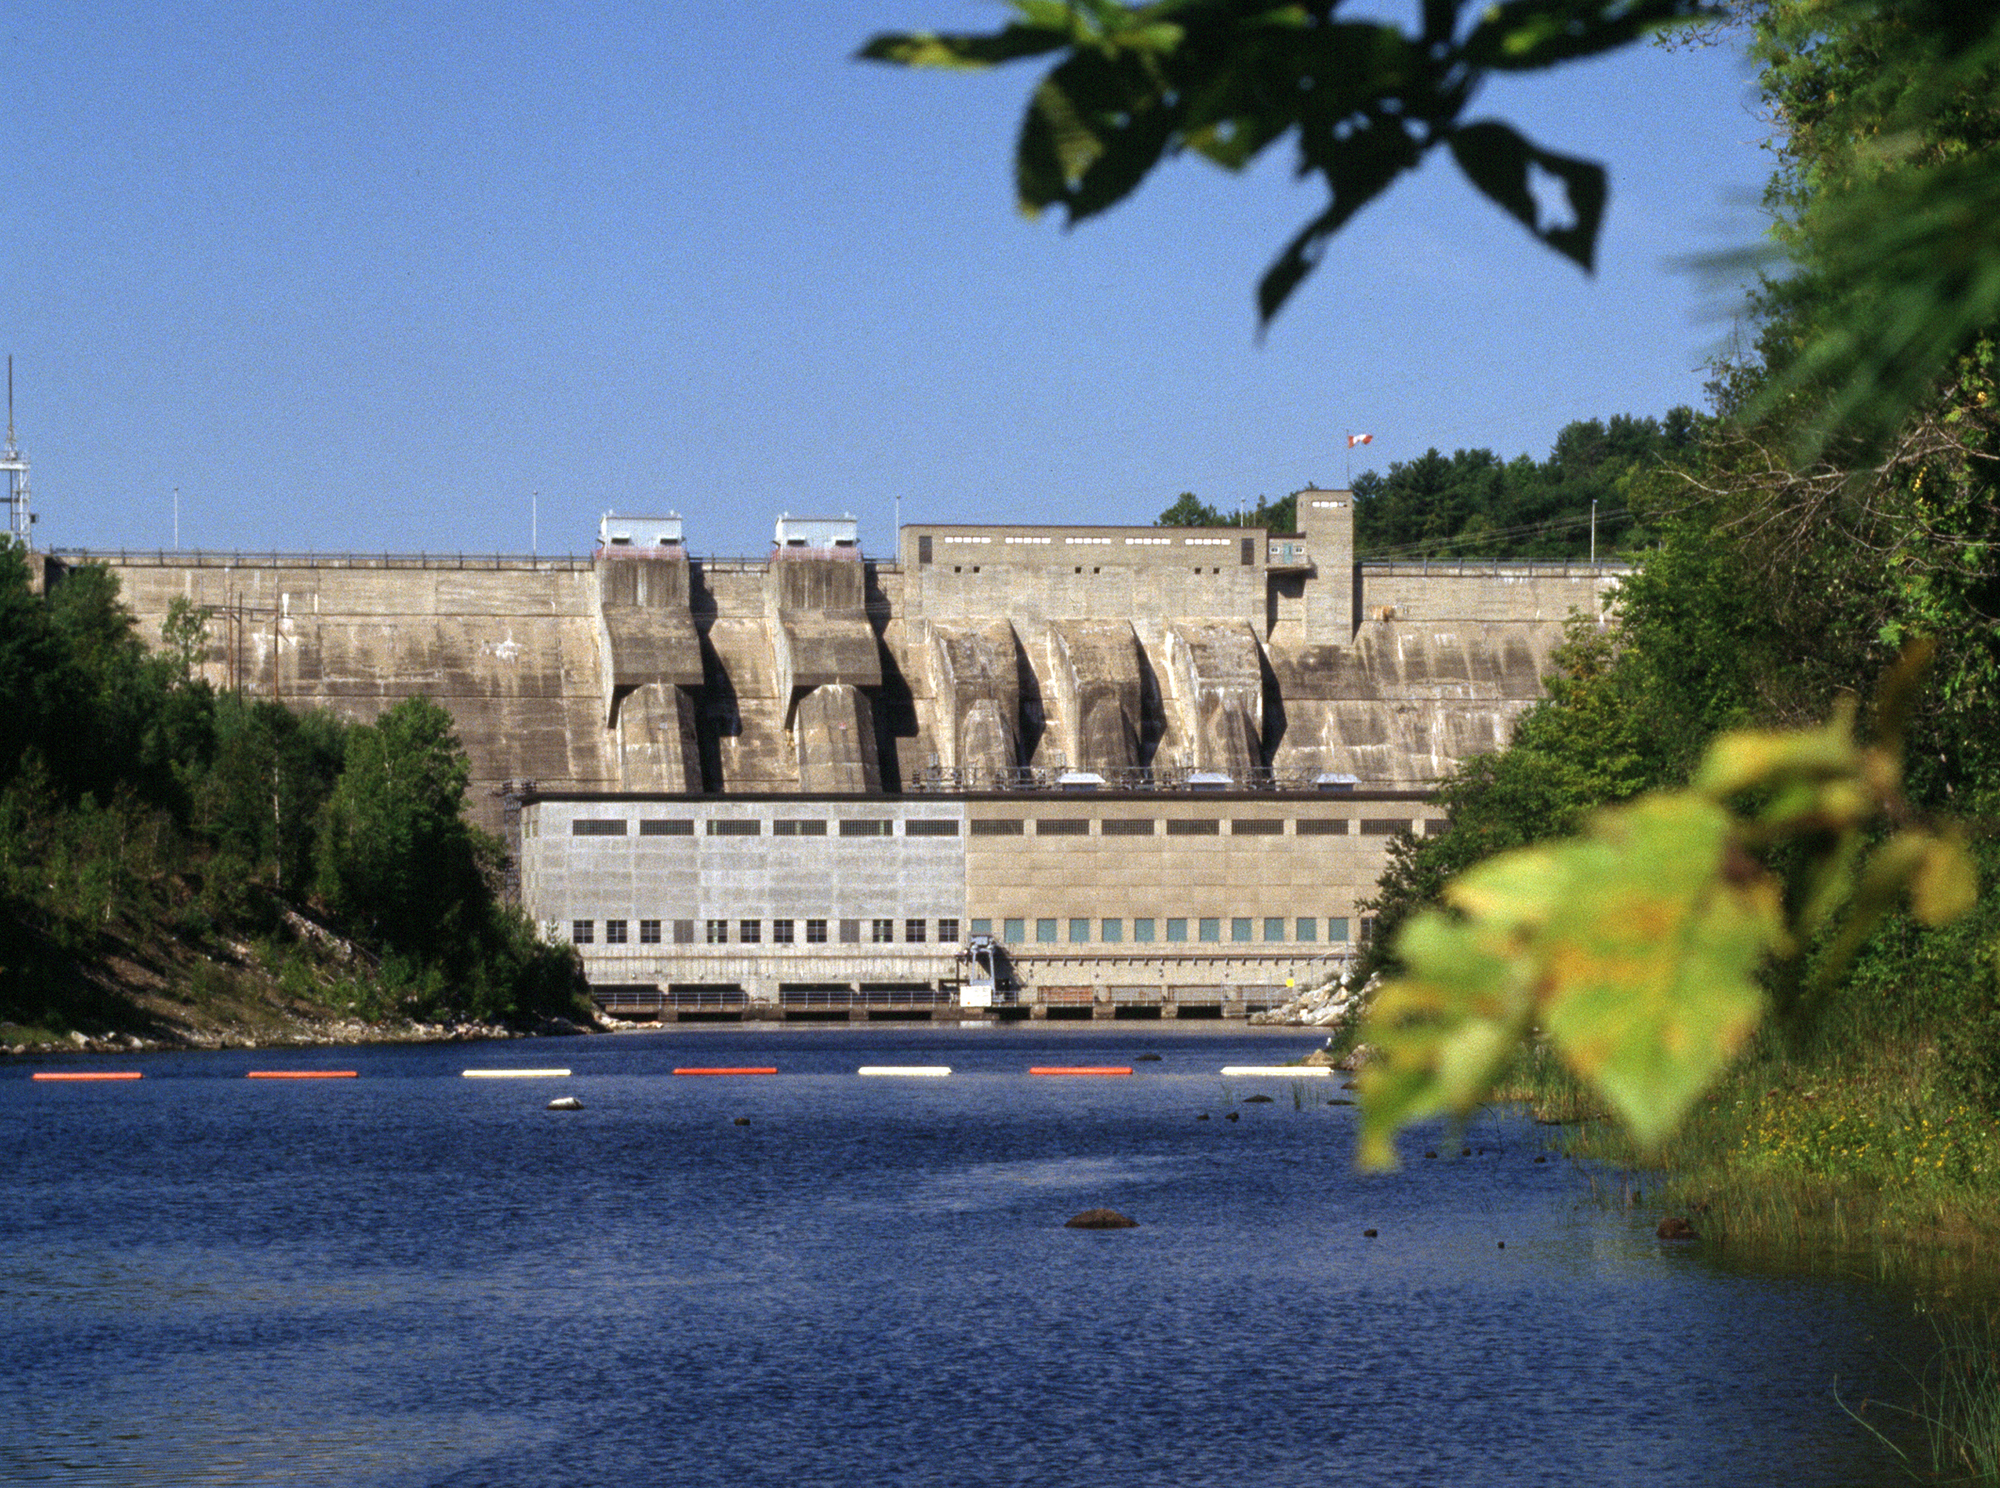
(1593, 531)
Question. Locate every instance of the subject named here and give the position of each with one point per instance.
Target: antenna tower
(20, 521)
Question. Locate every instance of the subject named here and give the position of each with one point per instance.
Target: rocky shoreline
(304, 1033)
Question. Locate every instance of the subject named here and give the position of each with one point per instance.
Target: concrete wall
(1139, 653)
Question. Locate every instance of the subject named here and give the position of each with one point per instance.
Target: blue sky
(367, 276)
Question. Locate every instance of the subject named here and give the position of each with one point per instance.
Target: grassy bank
(1869, 1154)
(1860, 1164)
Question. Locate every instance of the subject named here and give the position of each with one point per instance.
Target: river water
(416, 1278)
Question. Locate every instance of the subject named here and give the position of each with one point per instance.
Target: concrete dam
(973, 695)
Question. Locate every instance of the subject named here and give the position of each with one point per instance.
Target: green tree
(395, 853)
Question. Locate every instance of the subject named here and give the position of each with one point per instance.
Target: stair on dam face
(828, 662)
(975, 674)
(1095, 679)
(1217, 673)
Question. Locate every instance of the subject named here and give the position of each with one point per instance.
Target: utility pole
(1593, 531)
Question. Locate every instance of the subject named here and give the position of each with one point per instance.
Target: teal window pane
(1142, 931)
(1239, 931)
(1308, 929)
(982, 927)
(1274, 927)
(1045, 932)
(1079, 932)
(1336, 930)
(1112, 932)
(1211, 931)
(1176, 929)
(1015, 932)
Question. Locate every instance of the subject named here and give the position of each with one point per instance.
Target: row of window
(1048, 826)
(1242, 930)
(751, 932)
(730, 826)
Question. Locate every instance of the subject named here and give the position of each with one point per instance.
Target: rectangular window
(867, 827)
(1320, 826)
(1126, 826)
(1367, 929)
(1206, 826)
(795, 826)
(850, 932)
(994, 827)
(1176, 930)
(730, 826)
(1045, 932)
(1111, 932)
(781, 932)
(1210, 930)
(1274, 927)
(614, 932)
(1239, 932)
(1436, 826)
(1079, 932)
(1256, 826)
(1142, 931)
(948, 932)
(881, 932)
(1014, 931)
(672, 827)
(683, 932)
(597, 827)
(1307, 929)
(1062, 826)
(583, 932)
(922, 827)
(718, 932)
(815, 932)
(750, 932)
(914, 931)
(1336, 929)
(1383, 826)
(649, 932)
(982, 927)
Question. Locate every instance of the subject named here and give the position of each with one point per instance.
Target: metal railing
(936, 778)
(277, 558)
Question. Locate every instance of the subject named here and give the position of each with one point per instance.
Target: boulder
(1100, 1219)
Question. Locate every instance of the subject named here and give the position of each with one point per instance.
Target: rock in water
(565, 1103)
(1256, 1100)
(1673, 1227)
(1101, 1219)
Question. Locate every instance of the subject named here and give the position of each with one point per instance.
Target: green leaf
(1443, 1034)
(1650, 958)
(961, 52)
(1945, 884)
(1498, 161)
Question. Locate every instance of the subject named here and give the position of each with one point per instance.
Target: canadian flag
(1354, 439)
